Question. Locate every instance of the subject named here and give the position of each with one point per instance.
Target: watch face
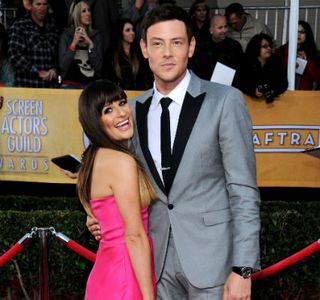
(246, 272)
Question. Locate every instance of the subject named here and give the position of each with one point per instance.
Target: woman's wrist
(72, 47)
(90, 48)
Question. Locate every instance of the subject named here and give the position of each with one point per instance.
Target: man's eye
(177, 43)
(156, 44)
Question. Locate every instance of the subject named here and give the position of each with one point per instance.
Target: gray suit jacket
(215, 216)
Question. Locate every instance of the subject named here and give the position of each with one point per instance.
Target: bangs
(116, 97)
(108, 98)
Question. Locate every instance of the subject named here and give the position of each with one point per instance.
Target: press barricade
(43, 233)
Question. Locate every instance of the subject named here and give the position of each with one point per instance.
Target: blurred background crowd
(69, 43)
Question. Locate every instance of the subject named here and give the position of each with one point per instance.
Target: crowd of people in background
(44, 49)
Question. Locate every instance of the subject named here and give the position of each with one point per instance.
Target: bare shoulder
(110, 170)
(114, 161)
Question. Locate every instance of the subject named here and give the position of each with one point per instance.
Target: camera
(267, 92)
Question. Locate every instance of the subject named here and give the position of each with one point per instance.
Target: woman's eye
(123, 102)
(107, 110)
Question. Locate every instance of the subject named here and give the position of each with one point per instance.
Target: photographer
(262, 75)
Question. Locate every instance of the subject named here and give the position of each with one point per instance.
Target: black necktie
(165, 140)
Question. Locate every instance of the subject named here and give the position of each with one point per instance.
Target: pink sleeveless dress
(112, 276)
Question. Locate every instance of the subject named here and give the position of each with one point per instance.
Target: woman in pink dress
(113, 187)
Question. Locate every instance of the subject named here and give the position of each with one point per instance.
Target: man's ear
(192, 46)
(27, 4)
(143, 46)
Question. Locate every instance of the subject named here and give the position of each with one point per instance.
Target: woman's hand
(94, 227)
(81, 37)
(302, 54)
(77, 37)
(70, 174)
(258, 93)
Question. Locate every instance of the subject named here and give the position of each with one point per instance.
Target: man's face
(38, 10)
(167, 49)
(236, 22)
(218, 28)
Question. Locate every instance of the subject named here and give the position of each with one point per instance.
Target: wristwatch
(245, 272)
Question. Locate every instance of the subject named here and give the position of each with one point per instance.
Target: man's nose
(167, 50)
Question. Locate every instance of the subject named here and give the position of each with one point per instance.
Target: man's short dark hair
(234, 8)
(165, 12)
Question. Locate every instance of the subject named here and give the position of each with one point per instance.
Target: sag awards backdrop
(39, 124)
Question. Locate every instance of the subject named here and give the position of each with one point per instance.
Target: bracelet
(72, 47)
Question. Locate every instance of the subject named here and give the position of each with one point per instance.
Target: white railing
(277, 19)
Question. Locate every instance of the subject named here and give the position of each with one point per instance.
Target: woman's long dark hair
(91, 102)
(118, 49)
(309, 46)
(254, 46)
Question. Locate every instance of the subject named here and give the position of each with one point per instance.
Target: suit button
(170, 206)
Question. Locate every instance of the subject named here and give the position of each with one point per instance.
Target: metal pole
(43, 264)
(293, 36)
(285, 23)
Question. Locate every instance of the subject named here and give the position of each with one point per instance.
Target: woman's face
(128, 33)
(85, 14)
(201, 12)
(301, 35)
(116, 118)
(265, 49)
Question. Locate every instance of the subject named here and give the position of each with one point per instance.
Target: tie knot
(165, 102)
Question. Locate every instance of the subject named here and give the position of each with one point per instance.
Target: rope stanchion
(71, 244)
(17, 247)
(285, 263)
(89, 255)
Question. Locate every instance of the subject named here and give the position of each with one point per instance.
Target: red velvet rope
(81, 250)
(277, 267)
(14, 250)
(89, 255)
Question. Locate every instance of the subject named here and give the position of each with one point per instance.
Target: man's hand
(237, 288)
(94, 227)
(70, 174)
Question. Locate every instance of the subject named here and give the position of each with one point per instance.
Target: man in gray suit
(205, 224)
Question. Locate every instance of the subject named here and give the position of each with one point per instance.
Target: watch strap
(245, 272)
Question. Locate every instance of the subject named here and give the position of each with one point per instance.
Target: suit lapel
(142, 125)
(188, 115)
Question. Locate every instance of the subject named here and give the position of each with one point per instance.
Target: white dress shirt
(154, 115)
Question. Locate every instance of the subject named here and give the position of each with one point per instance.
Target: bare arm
(125, 187)
(115, 173)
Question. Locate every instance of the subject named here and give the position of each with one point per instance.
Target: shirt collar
(177, 94)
